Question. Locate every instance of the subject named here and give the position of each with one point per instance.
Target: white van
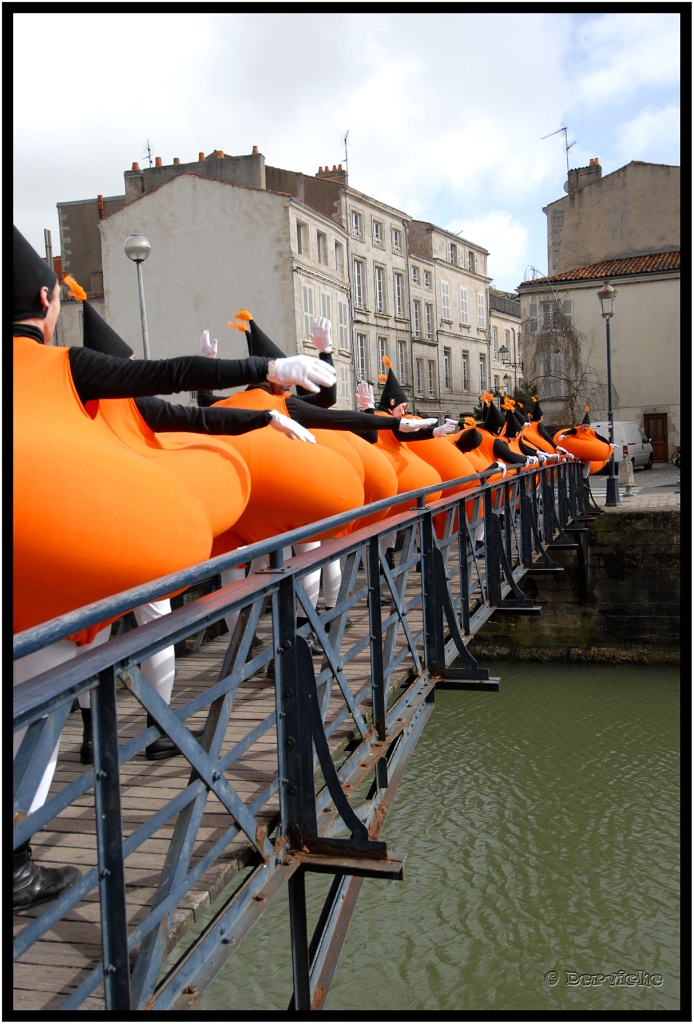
(631, 442)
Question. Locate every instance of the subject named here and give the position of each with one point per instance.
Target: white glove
(613, 447)
(503, 467)
(207, 347)
(542, 456)
(411, 426)
(365, 395)
(290, 427)
(448, 427)
(320, 334)
(563, 451)
(312, 374)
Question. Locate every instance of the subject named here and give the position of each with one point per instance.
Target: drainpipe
(490, 376)
(409, 307)
(350, 295)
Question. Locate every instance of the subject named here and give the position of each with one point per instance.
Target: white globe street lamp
(137, 249)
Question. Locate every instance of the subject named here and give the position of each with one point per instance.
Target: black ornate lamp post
(504, 356)
(607, 296)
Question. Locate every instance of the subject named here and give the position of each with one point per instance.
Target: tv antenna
(345, 137)
(149, 153)
(567, 144)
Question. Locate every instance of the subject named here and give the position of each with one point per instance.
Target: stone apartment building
(623, 228)
(232, 231)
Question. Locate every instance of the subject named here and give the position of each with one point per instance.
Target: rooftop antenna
(149, 153)
(567, 144)
(346, 135)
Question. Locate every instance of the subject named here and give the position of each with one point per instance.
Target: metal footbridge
(292, 773)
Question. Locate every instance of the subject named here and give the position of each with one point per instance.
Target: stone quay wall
(628, 608)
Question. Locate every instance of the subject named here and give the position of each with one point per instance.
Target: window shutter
(308, 310)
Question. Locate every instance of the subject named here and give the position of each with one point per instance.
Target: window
(552, 366)
(471, 261)
(399, 293)
(380, 294)
(419, 378)
(463, 306)
(427, 279)
(483, 373)
(339, 257)
(359, 284)
(415, 275)
(343, 324)
(356, 224)
(495, 343)
(326, 307)
(322, 248)
(377, 232)
(429, 320)
(307, 293)
(466, 371)
(481, 312)
(345, 382)
(507, 343)
(396, 236)
(402, 371)
(416, 318)
(302, 239)
(431, 368)
(452, 253)
(550, 316)
(382, 351)
(445, 301)
(447, 383)
(360, 357)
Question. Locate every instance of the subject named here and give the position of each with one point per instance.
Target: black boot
(164, 746)
(314, 644)
(33, 884)
(87, 748)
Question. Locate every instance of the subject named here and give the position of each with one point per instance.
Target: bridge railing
(458, 559)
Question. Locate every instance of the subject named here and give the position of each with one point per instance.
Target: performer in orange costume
(583, 442)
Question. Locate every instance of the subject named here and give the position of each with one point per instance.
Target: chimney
(255, 150)
(320, 169)
(157, 161)
(176, 160)
(100, 204)
(136, 167)
(337, 173)
(201, 157)
(220, 154)
(580, 176)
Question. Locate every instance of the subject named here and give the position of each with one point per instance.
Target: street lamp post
(607, 296)
(137, 249)
(504, 355)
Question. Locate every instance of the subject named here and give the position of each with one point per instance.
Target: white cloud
(650, 135)
(505, 238)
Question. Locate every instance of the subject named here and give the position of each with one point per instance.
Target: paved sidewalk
(663, 479)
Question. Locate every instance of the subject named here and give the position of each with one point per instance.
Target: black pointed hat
(260, 345)
(29, 274)
(512, 428)
(493, 420)
(520, 418)
(586, 418)
(537, 411)
(99, 337)
(392, 394)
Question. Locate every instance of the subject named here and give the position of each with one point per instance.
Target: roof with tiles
(651, 263)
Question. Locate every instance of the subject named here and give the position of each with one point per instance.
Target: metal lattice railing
(459, 560)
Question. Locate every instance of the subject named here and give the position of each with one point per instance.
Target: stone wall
(628, 612)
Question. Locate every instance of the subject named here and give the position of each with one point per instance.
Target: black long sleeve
(501, 450)
(526, 448)
(165, 416)
(100, 376)
(545, 435)
(600, 437)
(337, 419)
(326, 397)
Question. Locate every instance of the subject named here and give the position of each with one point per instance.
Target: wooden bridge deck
(53, 967)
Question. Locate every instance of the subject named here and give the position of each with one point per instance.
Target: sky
(446, 113)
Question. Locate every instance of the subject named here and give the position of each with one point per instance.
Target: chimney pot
(136, 167)
(339, 167)
(100, 205)
(255, 149)
(334, 167)
(220, 154)
(157, 161)
(201, 157)
(320, 170)
(176, 160)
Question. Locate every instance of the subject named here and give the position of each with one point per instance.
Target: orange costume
(584, 443)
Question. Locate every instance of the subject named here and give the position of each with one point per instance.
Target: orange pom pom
(533, 398)
(239, 327)
(243, 314)
(470, 422)
(386, 361)
(75, 290)
(382, 378)
(587, 408)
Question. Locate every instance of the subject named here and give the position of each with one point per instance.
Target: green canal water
(541, 831)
